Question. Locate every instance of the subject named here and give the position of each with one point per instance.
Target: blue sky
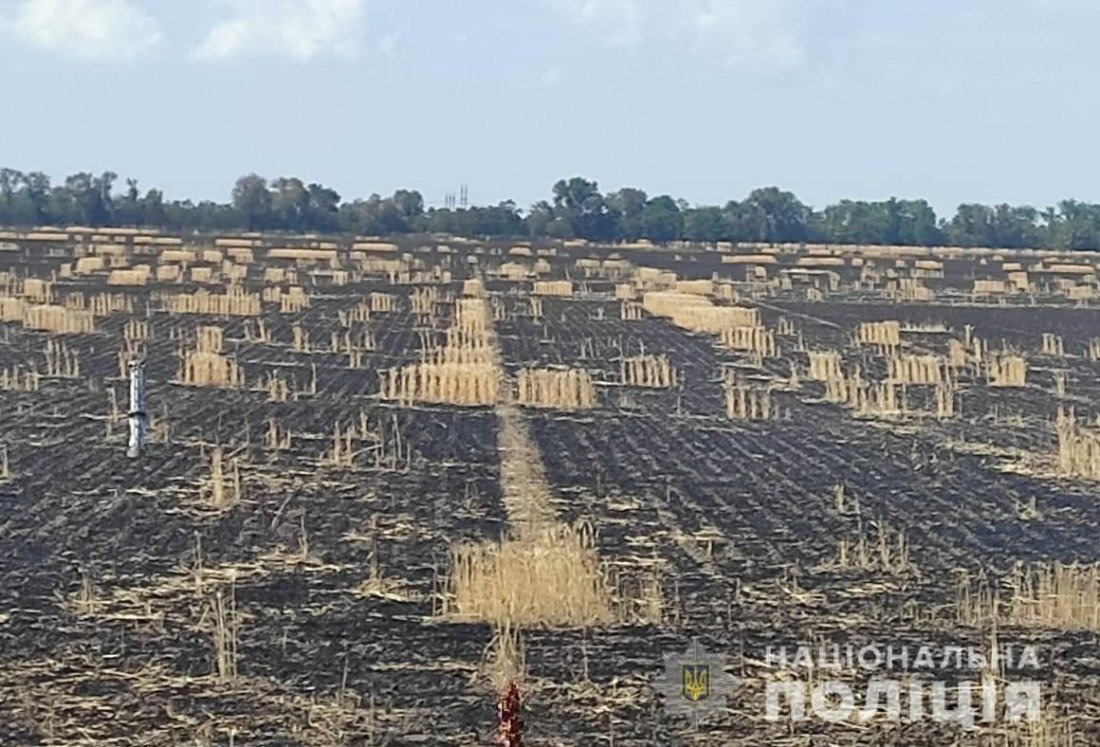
(979, 100)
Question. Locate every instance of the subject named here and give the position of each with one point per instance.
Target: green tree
(785, 217)
(626, 207)
(579, 202)
(409, 203)
(323, 213)
(705, 224)
(252, 200)
(290, 203)
(661, 219)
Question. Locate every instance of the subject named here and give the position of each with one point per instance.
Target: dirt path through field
(528, 499)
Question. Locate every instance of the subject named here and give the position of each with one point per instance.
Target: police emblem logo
(694, 683)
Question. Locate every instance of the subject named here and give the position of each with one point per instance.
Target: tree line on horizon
(577, 209)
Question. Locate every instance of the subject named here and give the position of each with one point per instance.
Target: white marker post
(138, 421)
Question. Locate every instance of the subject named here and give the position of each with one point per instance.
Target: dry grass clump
(695, 287)
(473, 288)
(277, 388)
(19, 379)
(714, 319)
(128, 277)
(89, 265)
(957, 354)
(234, 302)
(391, 268)
(1053, 595)
(883, 334)
(1042, 595)
(455, 353)
(1094, 349)
(136, 331)
(223, 623)
(218, 490)
(198, 368)
(945, 399)
(876, 399)
(759, 340)
(203, 275)
(293, 301)
(1052, 729)
(257, 333)
(358, 314)
(986, 287)
(630, 311)
(353, 346)
(12, 309)
(546, 578)
(650, 371)
(472, 317)
(536, 307)
(275, 275)
(462, 372)
(208, 339)
(168, 274)
(697, 313)
(85, 601)
(505, 661)
(101, 304)
(342, 453)
(825, 365)
(571, 389)
(242, 254)
(275, 437)
(422, 301)
(1071, 269)
(654, 279)
(916, 369)
(382, 302)
(912, 289)
(58, 319)
(512, 271)
(61, 360)
(1007, 371)
(37, 290)
(374, 246)
(748, 402)
(1053, 345)
(302, 255)
(887, 553)
(473, 384)
(1078, 447)
(299, 339)
(178, 256)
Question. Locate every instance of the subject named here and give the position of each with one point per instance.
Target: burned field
(381, 482)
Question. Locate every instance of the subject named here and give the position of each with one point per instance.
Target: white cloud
(298, 29)
(618, 22)
(747, 33)
(86, 29)
(741, 33)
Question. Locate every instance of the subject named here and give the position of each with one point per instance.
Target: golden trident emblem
(696, 681)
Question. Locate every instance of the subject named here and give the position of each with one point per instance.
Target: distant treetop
(577, 209)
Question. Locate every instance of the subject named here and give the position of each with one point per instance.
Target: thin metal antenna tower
(464, 200)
